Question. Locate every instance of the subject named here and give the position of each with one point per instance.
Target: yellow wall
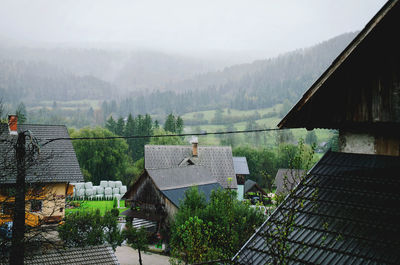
(52, 198)
(53, 203)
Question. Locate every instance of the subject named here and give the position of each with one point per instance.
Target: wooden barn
(359, 94)
(345, 211)
(156, 195)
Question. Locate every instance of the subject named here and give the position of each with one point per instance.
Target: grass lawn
(93, 205)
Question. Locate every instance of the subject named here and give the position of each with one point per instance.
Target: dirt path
(129, 256)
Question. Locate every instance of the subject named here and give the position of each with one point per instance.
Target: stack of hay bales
(106, 190)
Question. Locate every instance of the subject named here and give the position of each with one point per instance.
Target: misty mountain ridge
(257, 85)
(164, 82)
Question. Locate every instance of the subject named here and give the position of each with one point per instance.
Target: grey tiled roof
(346, 212)
(93, 255)
(177, 195)
(180, 177)
(58, 162)
(240, 166)
(218, 159)
(286, 179)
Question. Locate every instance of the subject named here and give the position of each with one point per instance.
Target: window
(7, 208)
(36, 206)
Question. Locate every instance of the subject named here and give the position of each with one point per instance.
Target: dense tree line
(205, 231)
(264, 163)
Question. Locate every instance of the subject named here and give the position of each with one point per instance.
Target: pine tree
(170, 123)
(119, 129)
(111, 125)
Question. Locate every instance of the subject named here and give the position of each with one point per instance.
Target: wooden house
(170, 171)
(346, 208)
(48, 177)
(157, 194)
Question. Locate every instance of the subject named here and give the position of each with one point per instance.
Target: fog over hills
(33, 75)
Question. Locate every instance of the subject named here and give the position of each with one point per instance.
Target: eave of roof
(344, 55)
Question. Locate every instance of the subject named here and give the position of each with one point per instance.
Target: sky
(265, 26)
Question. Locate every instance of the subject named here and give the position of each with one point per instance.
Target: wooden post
(18, 231)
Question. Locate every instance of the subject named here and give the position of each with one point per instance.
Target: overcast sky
(269, 26)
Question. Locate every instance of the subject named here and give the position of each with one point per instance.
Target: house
(286, 179)
(90, 255)
(345, 211)
(48, 178)
(251, 186)
(170, 171)
(241, 170)
(218, 159)
(157, 194)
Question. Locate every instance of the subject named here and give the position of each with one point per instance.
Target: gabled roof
(286, 179)
(346, 212)
(218, 159)
(330, 101)
(181, 177)
(92, 255)
(58, 162)
(240, 165)
(178, 195)
(250, 184)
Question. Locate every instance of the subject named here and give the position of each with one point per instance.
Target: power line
(160, 135)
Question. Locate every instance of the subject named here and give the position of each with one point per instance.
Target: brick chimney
(13, 124)
(194, 141)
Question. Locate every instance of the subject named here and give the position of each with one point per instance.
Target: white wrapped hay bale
(88, 185)
(99, 190)
(80, 193)
(122, 190)
(108, 191)
(117, 196)
(104, 184)
(111, 184)
(79, 186)
(115, 190)
(118, 184)
(89, 192)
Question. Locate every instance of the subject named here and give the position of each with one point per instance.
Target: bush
(88, 228)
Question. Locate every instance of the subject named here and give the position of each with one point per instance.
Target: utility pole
(18, 231)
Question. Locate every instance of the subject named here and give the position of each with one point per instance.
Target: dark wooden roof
(92, 255)
(58, 162)
(360, 90)
(218, 159)
(286, 179)
(240, 165)
(346, 212)
(250, 184)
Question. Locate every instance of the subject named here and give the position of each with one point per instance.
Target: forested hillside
(89, 73)
(103, 83)
(257, 85)
(32, 82)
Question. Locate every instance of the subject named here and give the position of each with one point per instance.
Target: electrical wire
(159, 136)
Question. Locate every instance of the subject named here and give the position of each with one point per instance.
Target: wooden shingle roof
(57, 160)
(92, 255)
(181, 177)
(346, 212)
(217, 159)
